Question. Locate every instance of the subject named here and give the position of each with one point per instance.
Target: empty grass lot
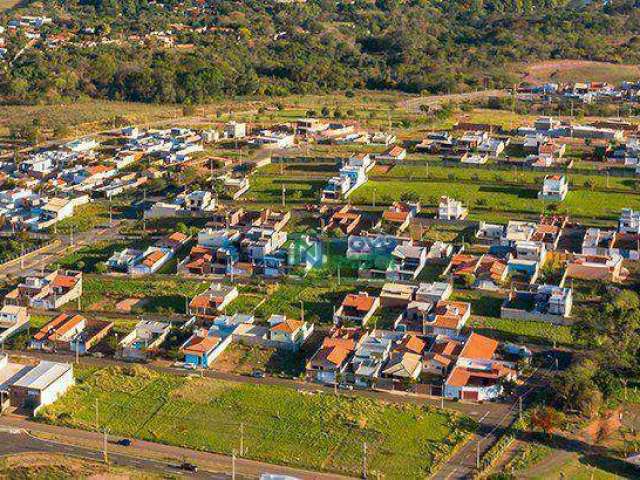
(163, 295)
(281, 425)
(504, 198)
(521, 331)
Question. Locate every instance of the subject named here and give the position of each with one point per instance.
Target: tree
(547, 419)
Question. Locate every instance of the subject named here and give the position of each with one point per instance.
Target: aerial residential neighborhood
(300, 239)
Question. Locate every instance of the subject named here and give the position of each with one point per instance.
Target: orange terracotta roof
(177, 237)
(58, 326)
(288, 326)
(479, 347)
(153, 258)
(451, 348)
(64, 281)
(95, 169)
(198, 345)
(459, 377)
(200, 301)
(395, 216)
(362, 303)
(337, 355)
(441, 359)
(413, 344)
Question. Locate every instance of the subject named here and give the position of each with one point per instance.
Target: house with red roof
(330, 362)
(48, 290)
(203, 348)
(209, 304)
(477, 375)
(288, 333)
(356, 308)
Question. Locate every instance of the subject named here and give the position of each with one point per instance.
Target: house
(393, 154)
(199, 201)
(448, 317)
(518, 230)
(310, 126)
(152, 260)
(554, 188)
(370, 356)
(287, 333)
(491, 273)
(477, 375)
(425, 318)
(329, 363)
(489, 233)
(346, 219)
(13, 319)
(450, 209)
(463, 265)
(145, 339)
(272, 139)
(235, 130)
(202, 348)
(382, 138)
(58, 333)
(47, 291)
(399, 215)
(549, 230)
(539, 302)
(595, 268)
(58, 209)
(629, 221)
(433, 292)
(442, 355)
(407, 262)
(210, 303)
(403, 368)
(356, 308)
(41, 386)
(396, 295)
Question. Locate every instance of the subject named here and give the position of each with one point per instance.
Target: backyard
(281, 425)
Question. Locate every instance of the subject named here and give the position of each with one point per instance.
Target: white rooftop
(43, 375)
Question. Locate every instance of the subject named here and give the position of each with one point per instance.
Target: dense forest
(241, 47)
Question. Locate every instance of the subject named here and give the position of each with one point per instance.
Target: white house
(42, 385)
(450, 209)
(554, 188)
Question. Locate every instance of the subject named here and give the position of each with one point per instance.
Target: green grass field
(319, 301)
(163, 295)
(521, 331)
(499, 198)
(281, 425)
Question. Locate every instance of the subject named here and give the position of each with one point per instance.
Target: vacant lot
(521, 331)
(281, 425)
(578, 71)
(163, 295)
(499, 198)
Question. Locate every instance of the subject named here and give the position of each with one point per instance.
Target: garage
(470, 395)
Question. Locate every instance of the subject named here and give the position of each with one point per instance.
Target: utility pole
(284, 194)
(478, 455)
(301, 311)
(233, 465)
(97, 414)
(364, 460)
(242, 439)
(77, 351)
(105, 442)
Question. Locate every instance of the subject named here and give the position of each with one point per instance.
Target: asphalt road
(18, 441)
(40, 260)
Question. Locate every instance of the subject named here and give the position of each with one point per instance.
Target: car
(189, 366)
(125, 442)
(345, 386)
(258, 374)
(189, 467)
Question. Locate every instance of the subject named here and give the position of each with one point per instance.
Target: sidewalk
(215, 463)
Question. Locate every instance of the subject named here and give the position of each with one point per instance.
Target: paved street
(18, 434)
